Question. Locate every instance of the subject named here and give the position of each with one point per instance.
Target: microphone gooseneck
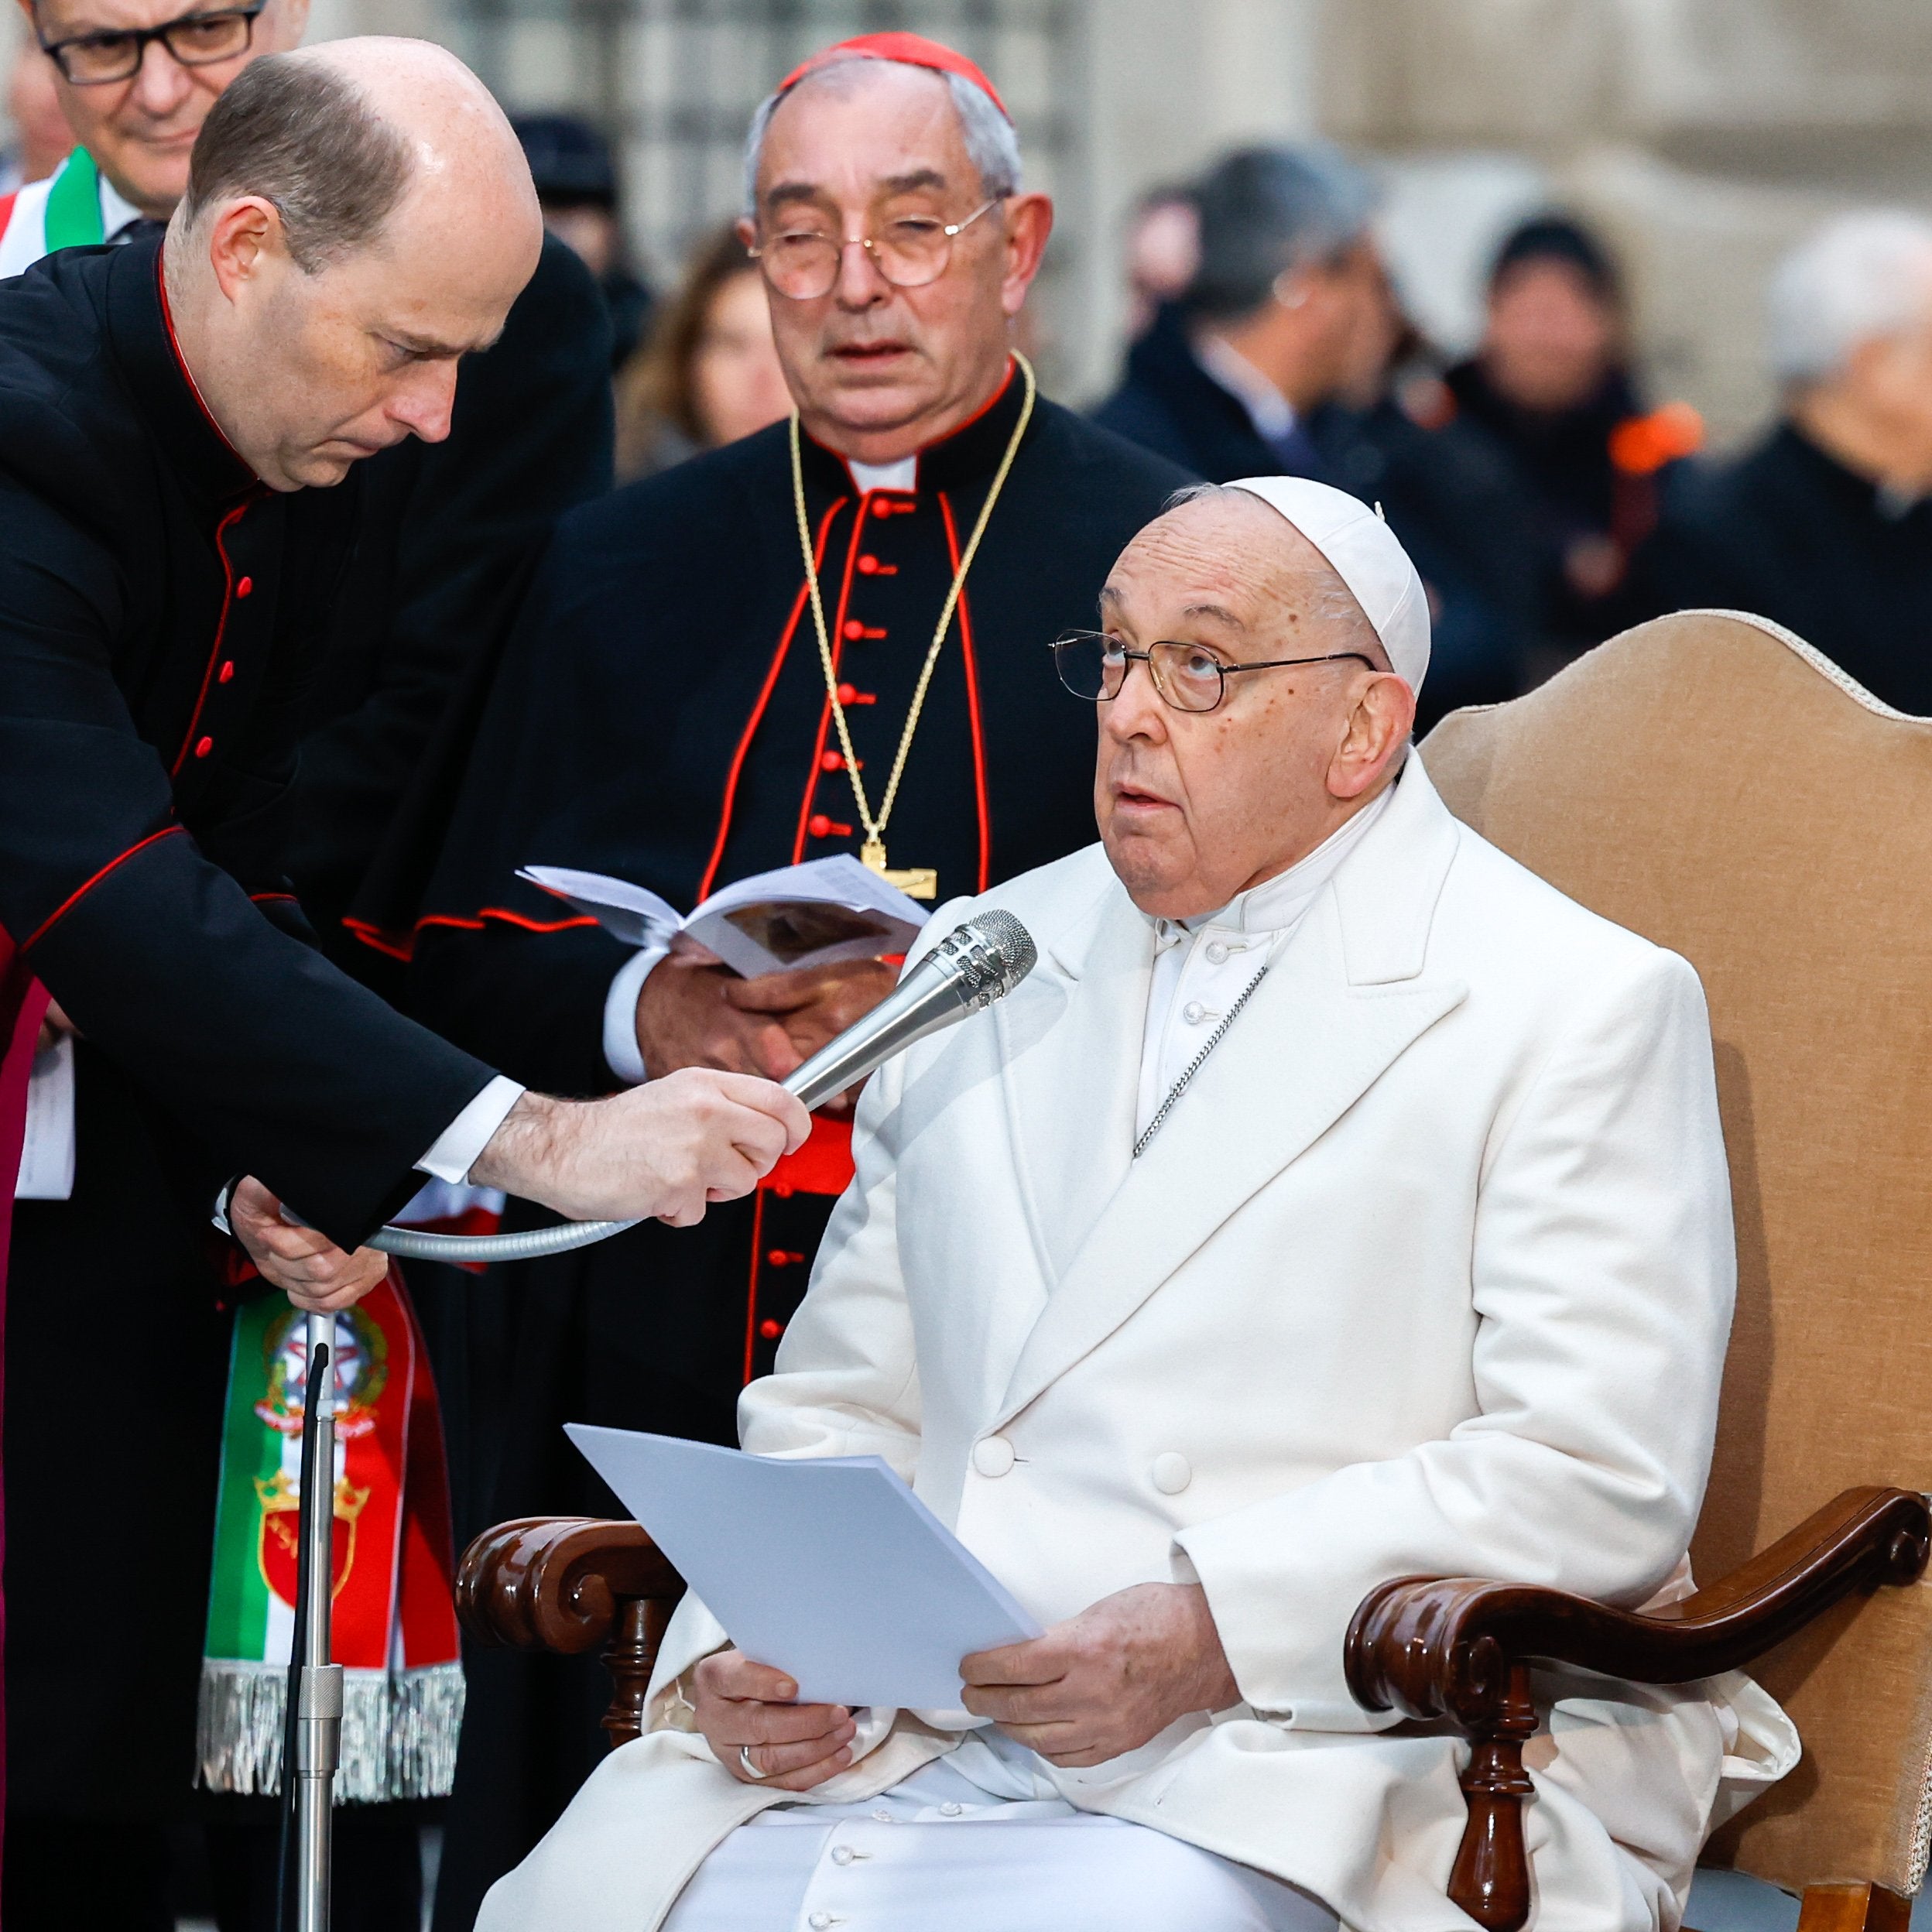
(976, 964)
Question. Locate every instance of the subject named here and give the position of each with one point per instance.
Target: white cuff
(621, 1053)
(459, 1145)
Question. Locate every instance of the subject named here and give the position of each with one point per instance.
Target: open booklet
(829, 1568)
(810, 914)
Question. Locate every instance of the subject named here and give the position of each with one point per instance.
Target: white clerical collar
(1272, 413)
(1277, 903)
(117, 213)
(902, 475)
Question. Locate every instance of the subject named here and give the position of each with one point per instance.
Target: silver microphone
(976, 964)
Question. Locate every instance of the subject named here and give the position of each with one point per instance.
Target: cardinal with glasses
(830, 638)
(1335, 1202)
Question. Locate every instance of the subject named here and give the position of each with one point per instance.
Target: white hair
(993, 144)
(1860, 278)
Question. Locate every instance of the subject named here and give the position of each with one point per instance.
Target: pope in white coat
(1336, 1201)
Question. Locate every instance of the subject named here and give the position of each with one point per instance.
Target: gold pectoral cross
(915, 881)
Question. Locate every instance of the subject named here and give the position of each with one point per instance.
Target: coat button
(841, 1854)
(820, 827)
(1193, 1012)
(853, 628)
(227, 673)
(245, 587)
(831, 762)
(992, 1455)
(1217, 952)
(771, 1330)
(1171, 1472)
(205, 746)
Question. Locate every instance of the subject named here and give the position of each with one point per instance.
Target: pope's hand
(1109, 1680)
(693, 1011)
(748, 1707)
(305, 1265)
(666, 1150)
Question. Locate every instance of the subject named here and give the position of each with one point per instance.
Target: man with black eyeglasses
(136, 79)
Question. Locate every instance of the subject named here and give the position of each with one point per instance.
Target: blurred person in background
(1162, 252)
(1825, 527)
(1551, 384)
(1223, 380)
(709, 374)
(1451, 498)
(41, 135)
(577, 188)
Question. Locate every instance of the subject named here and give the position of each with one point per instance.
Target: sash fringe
(398, 1730)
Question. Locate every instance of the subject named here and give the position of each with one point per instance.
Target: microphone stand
(315, 1708)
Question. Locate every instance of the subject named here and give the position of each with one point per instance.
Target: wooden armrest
(1432, 1647)
(568, 1583)
(555, 1583)
(1460, 1648)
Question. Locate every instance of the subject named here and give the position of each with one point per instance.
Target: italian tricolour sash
(395, 1620)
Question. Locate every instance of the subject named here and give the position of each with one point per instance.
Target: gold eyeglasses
(909, 251)
(1189, 678)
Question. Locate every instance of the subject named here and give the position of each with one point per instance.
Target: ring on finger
(751, 1770)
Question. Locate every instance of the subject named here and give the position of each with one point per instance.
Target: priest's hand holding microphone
(664, 1150)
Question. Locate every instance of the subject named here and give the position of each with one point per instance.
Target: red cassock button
(853, 628)
(831, 762)
(771, 1330)
(205, 747)
(227, 673)
(819, 826)
(868, 564)
(245, 587)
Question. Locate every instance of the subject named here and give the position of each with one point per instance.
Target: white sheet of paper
(47, 1150)
(829, 1569)
(640, 918)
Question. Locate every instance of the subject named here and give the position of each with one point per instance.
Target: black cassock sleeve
(288, 1069)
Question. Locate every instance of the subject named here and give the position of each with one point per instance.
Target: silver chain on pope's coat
(1194, 1066)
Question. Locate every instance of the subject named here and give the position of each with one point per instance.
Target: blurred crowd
(1550, 500)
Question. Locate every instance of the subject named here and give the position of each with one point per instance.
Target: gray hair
(303, 136)
(1264, 211)
(1859, 277)
(992, 144)
(1330, 603)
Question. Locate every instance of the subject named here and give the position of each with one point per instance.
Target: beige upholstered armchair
(1712, 784)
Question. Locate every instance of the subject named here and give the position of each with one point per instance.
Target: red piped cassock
(663, 716)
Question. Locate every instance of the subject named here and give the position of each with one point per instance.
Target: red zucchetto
(908, 49)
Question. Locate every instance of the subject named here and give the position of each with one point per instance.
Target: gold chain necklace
(922, 882)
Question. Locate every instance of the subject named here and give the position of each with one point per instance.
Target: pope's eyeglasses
(1188, 677)
(198, 40)
(909, 251)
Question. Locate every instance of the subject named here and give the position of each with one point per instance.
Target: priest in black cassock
(1826, 527)
(666, 715)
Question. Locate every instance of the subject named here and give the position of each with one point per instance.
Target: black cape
(1788, 533)
(661, 716)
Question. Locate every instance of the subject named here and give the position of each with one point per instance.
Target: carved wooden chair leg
(630, 1656)
(1853, 1908)
(1491, 1880)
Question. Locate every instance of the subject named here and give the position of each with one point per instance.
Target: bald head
(358, 219)
(340, 137)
